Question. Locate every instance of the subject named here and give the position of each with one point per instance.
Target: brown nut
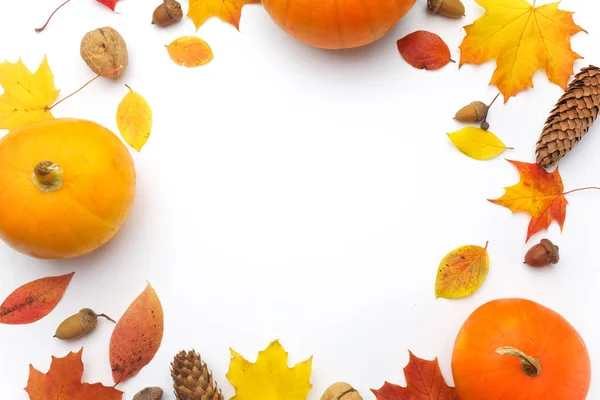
(168, 13)
(79, 325)
(105, 52)
(150, 393)
(474, 112)
(542, 254)
(447, 8)
(341, 391)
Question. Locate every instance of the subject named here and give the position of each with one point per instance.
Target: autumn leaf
(477, 143)
(137, 336)
(190, 51)
(27, 96)
(112, 4)
(424, 381)
(424, 50)
(34, 300)
(228, 10)
(524, 39)
(134, 119)
(462, 272)
(63, 381)
(269, 378)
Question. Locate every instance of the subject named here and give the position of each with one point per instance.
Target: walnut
(341, 391)
(105, 52)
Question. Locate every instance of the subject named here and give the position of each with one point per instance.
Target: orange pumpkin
(66, 186)
(334, 24)
(512, 349)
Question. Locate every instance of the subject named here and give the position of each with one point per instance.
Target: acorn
(168, 13)
(149, 393)
(79, 324)
(474, 112)
(447, 8)
(542, 254)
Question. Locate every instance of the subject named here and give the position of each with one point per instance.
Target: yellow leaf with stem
(134, 119)
(269, 378)
(27, 96)
(477, 143)
(462, 272)
(229, 11)
(190, 51)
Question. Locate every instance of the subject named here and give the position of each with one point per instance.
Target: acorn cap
(551, 250)
(174, 9)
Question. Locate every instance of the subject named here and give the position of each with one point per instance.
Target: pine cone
(191, 378)
(571, 118)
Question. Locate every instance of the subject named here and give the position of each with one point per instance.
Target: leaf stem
(81, 88)
(580, 189)
(51, 15)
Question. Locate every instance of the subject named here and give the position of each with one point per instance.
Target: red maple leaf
(63, 381)
(424, 381)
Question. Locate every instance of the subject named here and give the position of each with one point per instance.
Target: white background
(306, 195)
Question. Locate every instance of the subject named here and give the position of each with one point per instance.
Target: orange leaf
(63, 381)
(34, 300)
(190, 51)
(539, 194)
(137, 336)
(424, 381)
(228, 10)
(424, 50)
(523, 39)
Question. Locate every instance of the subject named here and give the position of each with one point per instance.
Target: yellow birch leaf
(523, 39)
(27, 96)
(134, 119)
(477, 143)
(462, 272)
(269, 378)
(190, 51)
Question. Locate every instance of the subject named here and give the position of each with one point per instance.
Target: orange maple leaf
(539, 193)
(524, 39)
(424, 381)
(63, 381)
(227, 10)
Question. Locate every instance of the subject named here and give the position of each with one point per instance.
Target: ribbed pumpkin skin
(97, 193)
(337, 24)
(482, 374)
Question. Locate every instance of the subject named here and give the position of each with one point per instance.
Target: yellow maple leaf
(524, 39)
(269, 378)
(27, 96)
(228, 10)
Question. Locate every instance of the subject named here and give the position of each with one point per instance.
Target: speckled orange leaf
(190, 51)
(34, 300)
(63, 382)
(539, 193)
(228, 10)
(523, 39)
(424, 381)
(137, 336)
(424, 50)
(462, 272)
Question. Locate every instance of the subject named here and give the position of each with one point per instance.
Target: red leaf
(63, 381)
(137, 336)
(424, 381)
(34, 300)
(424, 50)
(109, 3)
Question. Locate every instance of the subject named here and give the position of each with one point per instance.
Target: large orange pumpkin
(337, 24)
(511, 349)
(66, 186)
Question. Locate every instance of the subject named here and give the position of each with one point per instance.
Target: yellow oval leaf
(134, 119)
(462, 272)
(477, 143)
(190, 51)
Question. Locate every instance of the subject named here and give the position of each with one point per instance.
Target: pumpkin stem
(530, 365)
(47, 176)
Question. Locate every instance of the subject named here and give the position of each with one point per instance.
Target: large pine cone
(191, 378)
(571, 118)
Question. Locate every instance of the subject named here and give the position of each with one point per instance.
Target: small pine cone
(191, 378)
(571, 118)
